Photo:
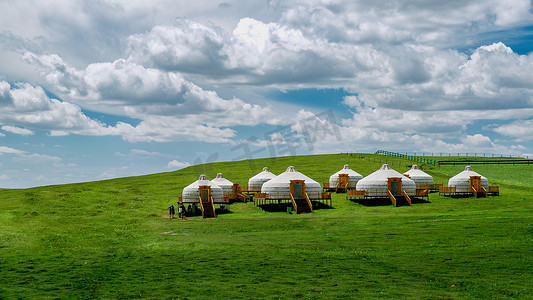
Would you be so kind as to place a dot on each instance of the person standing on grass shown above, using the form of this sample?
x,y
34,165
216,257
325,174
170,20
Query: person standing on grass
x,y
180,212
171,211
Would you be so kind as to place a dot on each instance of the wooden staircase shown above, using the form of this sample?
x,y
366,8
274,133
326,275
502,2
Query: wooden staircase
x,y
396,199
206,202
237,194
208,208
303,205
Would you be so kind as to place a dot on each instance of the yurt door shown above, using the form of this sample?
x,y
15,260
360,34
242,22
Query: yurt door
x,y
475,182
394,185
343,180
205,193
297,189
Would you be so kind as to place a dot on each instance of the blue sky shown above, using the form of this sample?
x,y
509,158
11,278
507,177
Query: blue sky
x,y
93,90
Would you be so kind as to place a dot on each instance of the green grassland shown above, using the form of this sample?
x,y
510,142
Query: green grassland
x,y
111,240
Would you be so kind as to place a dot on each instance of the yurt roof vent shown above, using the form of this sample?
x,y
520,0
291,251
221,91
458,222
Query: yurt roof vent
x,y
291,169
385,167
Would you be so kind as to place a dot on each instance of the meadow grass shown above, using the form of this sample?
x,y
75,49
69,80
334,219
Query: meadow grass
x,y
111,239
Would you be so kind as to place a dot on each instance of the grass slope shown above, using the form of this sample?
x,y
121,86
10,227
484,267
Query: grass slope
x,y
108,239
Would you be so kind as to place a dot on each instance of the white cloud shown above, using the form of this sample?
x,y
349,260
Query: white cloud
x,y
397,56
174,164
36,158
520,129
30,107
8,150
17,130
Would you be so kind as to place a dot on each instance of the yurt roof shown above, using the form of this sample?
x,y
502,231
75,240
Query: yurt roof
x,y
265,174
467,173
290,174
377,181
416,172
190,192
221,181
384,173
279,186
346,170
202,181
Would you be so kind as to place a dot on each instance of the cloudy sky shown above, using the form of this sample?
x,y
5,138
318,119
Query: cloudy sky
x,y
109,88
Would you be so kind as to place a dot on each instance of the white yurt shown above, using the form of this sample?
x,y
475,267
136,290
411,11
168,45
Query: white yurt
x,y
256,182
226,185
376,183
279,186
461,181
191,194
421,178
353,177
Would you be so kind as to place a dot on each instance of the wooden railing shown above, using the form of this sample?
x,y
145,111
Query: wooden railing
x,y
447,190
484,191
494,190
406,197
260,196
422,193
309,202
473,190
213,206
294,204
392,198
356,193
429,187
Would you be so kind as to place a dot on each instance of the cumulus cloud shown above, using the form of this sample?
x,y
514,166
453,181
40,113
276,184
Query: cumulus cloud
x,y
27,106
184,46
141,90
398,57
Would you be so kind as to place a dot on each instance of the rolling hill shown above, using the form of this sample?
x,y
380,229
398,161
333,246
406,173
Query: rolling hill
x,y
111,239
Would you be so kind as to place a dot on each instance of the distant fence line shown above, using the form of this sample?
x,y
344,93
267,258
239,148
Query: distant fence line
x,y
506,159
465,154
410,157
488,162
454,154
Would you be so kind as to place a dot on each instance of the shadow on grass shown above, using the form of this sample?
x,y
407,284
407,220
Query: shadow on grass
x,y
385,201
283,206
221,211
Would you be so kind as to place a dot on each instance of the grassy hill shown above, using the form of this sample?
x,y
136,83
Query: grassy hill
x,y
109,239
